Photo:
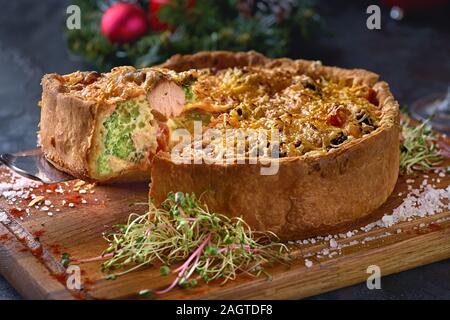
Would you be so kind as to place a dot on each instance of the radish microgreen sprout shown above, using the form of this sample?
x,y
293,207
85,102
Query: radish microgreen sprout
x,y
191,243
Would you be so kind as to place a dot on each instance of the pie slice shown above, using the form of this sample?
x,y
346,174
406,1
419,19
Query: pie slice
x,y
107,127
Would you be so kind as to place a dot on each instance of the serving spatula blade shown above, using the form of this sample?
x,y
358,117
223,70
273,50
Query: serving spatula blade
x,y
33,165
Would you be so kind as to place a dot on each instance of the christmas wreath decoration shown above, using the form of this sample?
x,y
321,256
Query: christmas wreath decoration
x,y
146,32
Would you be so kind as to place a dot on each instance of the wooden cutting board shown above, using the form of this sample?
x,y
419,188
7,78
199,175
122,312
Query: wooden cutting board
x,y
31,247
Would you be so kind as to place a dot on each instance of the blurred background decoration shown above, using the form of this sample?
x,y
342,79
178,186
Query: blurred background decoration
x,y
146,32
400,8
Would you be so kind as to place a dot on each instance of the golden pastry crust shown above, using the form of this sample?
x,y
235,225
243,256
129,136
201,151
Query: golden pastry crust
x,y
63,119
214,60
310,195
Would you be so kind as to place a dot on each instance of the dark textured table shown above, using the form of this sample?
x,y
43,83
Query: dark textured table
x,y
413,56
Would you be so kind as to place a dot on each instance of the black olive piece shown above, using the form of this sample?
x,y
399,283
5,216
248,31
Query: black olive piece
x,y
311,86
367,120
339,139
239,112
298,143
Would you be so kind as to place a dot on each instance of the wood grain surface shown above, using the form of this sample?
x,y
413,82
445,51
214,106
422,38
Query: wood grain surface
x,y
31,248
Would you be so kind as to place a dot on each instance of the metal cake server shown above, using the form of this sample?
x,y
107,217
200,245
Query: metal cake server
x,y
33,165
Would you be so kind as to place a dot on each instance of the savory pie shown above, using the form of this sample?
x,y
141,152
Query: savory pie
x,y
337,146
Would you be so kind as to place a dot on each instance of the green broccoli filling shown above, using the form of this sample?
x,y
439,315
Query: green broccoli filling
x,y
103,166
117,138
188,93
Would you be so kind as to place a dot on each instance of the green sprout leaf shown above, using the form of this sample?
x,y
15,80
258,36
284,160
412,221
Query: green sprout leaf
x,y
111,277
193,283
146,293
418,150
65,259
164,270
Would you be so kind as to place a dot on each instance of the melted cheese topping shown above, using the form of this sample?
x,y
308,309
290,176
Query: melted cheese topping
x,y
120,84
311,115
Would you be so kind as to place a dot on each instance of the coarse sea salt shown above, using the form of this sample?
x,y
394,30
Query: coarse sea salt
x,y
3,217
421,202
426,203
417,204
18,188
308,263
18,183
333,243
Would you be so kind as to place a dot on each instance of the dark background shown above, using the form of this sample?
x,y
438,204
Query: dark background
x,y
412,55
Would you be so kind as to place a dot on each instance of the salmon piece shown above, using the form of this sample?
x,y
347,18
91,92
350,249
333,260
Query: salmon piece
x,y
167,100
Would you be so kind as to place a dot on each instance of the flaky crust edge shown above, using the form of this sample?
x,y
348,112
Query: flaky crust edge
x,y
63,118
309,196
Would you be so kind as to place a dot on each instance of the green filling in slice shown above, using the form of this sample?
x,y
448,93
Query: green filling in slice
x,y
117,136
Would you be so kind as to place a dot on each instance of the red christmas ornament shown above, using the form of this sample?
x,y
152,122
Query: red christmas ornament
x,y
123,23
153,9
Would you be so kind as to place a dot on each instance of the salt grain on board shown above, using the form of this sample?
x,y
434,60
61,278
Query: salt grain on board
x,y
333,243
3,217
